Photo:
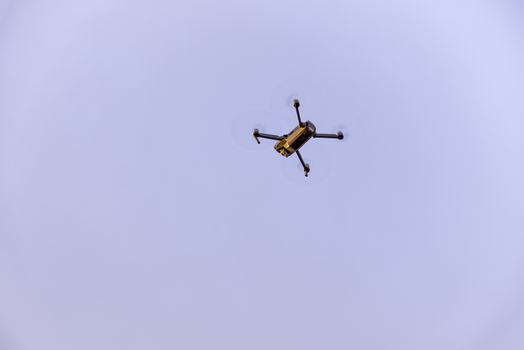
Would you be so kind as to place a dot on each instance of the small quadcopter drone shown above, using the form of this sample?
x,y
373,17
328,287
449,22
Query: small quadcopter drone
x,y
290,143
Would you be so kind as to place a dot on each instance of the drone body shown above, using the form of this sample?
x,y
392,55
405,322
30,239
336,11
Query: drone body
x,y
290,143
295,139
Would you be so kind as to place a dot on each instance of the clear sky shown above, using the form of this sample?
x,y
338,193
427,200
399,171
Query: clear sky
x,y
137,212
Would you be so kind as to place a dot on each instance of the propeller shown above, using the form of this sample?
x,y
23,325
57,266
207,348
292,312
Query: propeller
x,y
342,128
242,127
291,98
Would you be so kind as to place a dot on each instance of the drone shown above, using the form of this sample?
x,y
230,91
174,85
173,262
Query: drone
x,y
290,143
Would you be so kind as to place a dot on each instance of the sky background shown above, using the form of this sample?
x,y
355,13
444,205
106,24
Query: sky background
x,y
137,211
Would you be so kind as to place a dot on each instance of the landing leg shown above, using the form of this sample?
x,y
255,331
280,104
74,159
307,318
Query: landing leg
x,y
306,166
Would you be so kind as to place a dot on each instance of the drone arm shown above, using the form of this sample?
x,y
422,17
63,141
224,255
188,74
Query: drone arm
x,y
257,134
296,104
306,166
339,135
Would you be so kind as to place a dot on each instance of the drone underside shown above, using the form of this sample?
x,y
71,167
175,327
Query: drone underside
x,y
290,143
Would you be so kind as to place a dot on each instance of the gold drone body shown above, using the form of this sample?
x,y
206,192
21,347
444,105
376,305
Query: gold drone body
x,y
295,139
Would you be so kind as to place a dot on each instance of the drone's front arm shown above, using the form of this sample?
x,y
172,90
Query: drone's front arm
x,y
257,134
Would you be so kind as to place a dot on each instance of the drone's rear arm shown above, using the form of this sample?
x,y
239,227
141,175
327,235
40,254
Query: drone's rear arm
x,y
339,135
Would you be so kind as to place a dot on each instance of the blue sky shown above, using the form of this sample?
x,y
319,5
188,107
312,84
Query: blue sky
x,y
136,210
